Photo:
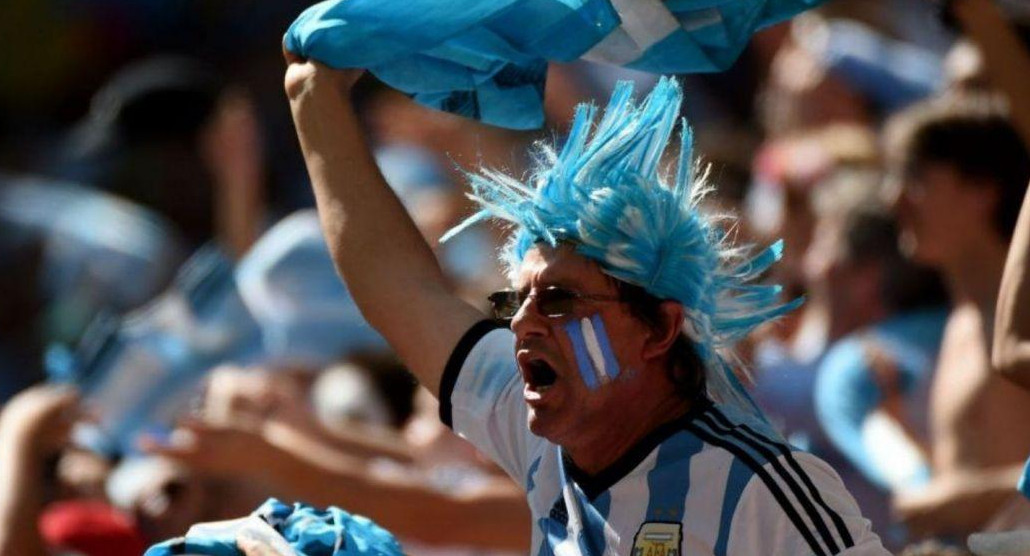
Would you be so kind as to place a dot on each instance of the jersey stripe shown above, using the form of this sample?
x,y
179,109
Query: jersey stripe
x,y
708,476
740,475
530,481
774,489
592,539
769,456
671,470
788,456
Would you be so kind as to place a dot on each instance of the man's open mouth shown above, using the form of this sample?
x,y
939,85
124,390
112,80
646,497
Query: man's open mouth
x,y
540,375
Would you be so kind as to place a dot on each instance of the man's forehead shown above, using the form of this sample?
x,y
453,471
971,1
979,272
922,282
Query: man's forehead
x,y
560,265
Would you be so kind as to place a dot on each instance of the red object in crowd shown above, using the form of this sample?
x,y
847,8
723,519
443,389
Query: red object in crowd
x,y
91,528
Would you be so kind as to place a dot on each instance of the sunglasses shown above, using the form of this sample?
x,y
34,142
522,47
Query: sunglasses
x,y
551,302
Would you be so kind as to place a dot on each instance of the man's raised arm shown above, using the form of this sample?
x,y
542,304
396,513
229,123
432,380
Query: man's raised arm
x,y
390,270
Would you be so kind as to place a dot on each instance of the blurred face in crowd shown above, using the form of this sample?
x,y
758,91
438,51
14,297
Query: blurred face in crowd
x,y
826,268
562,407
851,289
939,212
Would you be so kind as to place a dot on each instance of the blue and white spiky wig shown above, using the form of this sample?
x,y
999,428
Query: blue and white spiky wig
x,y
605,194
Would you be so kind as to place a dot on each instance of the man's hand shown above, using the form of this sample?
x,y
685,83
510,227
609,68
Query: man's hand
x,y
303,77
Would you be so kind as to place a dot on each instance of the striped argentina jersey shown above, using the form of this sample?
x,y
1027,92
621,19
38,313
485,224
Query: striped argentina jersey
x,y
710,482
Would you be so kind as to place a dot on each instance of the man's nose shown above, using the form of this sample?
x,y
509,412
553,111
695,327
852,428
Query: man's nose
x,y
528,321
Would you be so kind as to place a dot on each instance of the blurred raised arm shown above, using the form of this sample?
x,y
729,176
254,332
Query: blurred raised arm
x,y
1011,350
492,513
1005,57
389,268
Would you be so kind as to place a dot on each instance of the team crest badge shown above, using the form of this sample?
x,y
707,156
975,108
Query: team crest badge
x,y
657,538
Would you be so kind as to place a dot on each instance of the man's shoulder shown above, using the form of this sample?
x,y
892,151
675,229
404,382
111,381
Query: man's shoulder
x,y
767,477
751,441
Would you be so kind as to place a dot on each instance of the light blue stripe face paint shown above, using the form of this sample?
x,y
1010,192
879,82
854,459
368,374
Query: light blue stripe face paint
x,y
611,366
574,330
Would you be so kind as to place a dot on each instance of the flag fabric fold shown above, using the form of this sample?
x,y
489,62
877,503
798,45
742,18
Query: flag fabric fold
x,y
487,59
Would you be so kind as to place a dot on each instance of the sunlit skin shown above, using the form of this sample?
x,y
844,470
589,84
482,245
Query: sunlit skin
x,y
949,223
594,427
940,214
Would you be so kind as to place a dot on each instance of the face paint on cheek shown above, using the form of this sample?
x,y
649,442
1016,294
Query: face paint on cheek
x,y
598,342
594,356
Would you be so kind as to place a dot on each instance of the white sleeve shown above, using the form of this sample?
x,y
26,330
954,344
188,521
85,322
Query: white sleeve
x,y
481,397
826,519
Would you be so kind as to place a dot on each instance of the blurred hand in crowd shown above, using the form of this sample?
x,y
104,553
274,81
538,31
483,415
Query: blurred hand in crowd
x,y
34,427
277,405
35,424
946,502
217,450
888,379
253,395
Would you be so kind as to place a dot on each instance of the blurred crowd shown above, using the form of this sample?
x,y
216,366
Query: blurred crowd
x,y
176,347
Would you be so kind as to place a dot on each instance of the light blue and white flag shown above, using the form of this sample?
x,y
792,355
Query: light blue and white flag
x,y
487,59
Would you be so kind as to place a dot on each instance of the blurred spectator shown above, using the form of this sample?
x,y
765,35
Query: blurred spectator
x,y
305,312
65,252
140,370
885,318
890,73
852,282
34,429
787,172
166,133
410,490
801,92
819,191
87,243
962,171
884,360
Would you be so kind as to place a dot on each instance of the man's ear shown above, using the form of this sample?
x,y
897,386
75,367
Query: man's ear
x,y
667,330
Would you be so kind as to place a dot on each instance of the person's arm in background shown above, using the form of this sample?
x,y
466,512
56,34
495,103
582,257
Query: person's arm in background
x,y
1011,351
1005,56
256,398
232,149
957,502
492,515
34,427
389,268
859,384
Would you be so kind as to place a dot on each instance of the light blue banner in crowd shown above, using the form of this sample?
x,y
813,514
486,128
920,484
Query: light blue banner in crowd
x,y
142,370
487,59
